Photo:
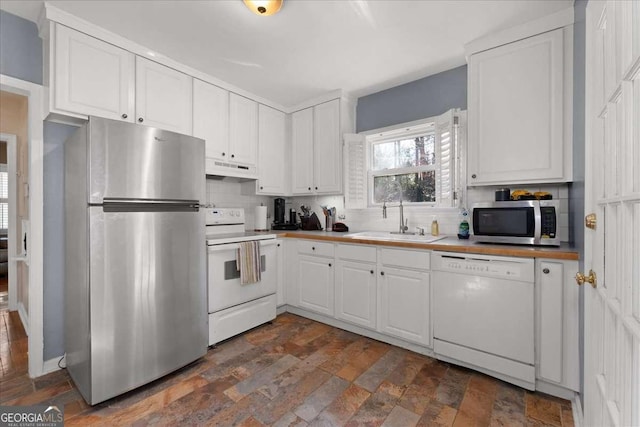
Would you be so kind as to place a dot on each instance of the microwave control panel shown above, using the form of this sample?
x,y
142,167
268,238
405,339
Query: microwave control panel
x,y
547,222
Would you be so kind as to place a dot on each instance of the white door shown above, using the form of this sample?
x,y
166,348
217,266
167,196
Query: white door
x,y
404,308
163,97
211,118
327,148
612,193
271,149
315,282
93,77
243,129
302,151
356,292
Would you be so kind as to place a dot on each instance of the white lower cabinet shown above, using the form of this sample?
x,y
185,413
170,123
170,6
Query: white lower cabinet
x,y
356,285
404,306
280,275
557,323
315,281
315,278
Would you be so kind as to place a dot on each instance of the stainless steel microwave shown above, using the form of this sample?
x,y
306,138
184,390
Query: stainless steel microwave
x,y
524,222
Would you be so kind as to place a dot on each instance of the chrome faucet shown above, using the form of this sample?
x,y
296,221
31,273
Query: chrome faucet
x,y
403,224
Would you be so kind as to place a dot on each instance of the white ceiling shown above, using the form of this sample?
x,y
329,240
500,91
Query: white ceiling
x,y
310,47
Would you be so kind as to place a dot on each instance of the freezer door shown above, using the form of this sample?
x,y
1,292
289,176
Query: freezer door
x,y
148,295
132,161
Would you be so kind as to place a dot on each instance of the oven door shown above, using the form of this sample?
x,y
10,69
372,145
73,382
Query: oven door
x,y
224,285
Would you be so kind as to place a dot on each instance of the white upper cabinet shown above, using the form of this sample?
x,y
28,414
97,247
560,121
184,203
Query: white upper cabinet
x,y
211,118
327,148
90,77
520,111
163,97
317,149
271,148
243,129
302,151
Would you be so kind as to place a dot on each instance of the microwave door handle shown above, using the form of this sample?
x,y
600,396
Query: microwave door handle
x,y
537,220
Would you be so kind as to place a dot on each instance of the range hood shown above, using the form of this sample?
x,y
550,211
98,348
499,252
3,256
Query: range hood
x,y
219,170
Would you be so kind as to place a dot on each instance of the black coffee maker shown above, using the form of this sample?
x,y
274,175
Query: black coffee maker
x,y
278,215
278,211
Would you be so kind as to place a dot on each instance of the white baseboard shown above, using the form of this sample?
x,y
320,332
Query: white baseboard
x,y
555,390
576,407
23,317
51,365
542,386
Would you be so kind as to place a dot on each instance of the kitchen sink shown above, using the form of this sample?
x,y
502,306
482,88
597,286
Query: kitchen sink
x,y
395,237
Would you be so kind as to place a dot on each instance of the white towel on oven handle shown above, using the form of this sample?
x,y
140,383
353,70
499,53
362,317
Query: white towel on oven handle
x,y
248,262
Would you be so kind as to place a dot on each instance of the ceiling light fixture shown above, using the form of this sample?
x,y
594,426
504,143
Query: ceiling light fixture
x,y
264,7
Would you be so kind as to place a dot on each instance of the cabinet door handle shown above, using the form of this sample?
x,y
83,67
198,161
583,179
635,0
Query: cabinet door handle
x,y
545,270
316,188
329,264
278,244
124,116
473,176
233,156
313,248
371,271
309,188
224,154
382,273
261,187
140,119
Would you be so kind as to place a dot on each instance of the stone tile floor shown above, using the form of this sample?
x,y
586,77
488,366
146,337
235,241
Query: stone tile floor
x,y
292,372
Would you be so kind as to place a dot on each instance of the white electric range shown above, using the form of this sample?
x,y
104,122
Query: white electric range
x,y
233,307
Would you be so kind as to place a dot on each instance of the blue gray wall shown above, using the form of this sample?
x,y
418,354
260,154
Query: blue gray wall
x,y
21,57
55,135
427,97
576,189
20,48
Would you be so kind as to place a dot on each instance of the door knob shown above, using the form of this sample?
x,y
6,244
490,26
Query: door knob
x,y
591,278
590,221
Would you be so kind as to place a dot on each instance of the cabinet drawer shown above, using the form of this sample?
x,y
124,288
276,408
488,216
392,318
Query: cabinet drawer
x,y
316,248
419,260
356,253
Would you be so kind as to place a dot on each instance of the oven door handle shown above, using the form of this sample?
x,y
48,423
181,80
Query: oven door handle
x,y
233,246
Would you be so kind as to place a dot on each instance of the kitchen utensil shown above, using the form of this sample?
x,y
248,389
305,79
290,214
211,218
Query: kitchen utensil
x,y
340,227
503,195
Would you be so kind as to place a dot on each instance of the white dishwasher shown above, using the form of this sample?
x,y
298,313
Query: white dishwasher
x,y
483,314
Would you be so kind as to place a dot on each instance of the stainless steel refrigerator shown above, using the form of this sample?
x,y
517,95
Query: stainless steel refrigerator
x,y
135,292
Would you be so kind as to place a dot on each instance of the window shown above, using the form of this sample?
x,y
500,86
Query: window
x,y
418,161
403,167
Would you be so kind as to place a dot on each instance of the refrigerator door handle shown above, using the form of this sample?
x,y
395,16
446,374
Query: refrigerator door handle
x,y
137,205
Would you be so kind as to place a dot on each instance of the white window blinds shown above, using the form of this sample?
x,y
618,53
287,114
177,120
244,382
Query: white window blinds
x,y
4,199
446,153
355,171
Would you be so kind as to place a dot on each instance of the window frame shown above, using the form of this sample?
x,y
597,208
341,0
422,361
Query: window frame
x,y
425,128
393,133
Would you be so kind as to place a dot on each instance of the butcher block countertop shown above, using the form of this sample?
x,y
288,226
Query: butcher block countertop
x,y
449,244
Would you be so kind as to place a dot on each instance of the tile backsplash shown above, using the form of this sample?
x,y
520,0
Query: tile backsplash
x,y
232,194
448,219
229,194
